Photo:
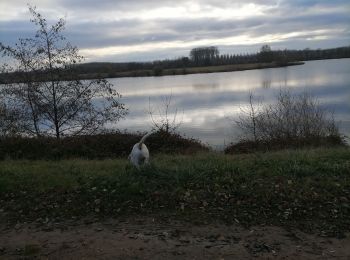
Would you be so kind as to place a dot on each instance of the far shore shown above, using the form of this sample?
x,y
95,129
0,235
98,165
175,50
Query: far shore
x,y
156,72
190,70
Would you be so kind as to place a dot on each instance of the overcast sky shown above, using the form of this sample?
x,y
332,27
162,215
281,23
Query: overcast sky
x,y
136,30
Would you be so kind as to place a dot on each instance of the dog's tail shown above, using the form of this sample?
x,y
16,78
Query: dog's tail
x,y
143,139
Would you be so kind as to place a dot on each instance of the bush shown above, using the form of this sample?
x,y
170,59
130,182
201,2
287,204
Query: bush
x,y
100,146
157,71
293,121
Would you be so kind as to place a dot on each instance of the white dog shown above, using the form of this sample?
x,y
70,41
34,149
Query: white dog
x,y
139,154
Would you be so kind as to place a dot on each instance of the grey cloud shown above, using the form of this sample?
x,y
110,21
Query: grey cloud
x,y
137,5
280,17
312,3
11,31
121,5
186,29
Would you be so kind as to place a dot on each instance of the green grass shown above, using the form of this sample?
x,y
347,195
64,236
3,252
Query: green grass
x,y
308,189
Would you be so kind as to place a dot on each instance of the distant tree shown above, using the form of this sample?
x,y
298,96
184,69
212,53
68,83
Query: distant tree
x,y
281,57
265,48
54,106
265,54
204,56
185,61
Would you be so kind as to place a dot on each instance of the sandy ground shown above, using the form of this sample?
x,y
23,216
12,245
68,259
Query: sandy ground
x,y
149,239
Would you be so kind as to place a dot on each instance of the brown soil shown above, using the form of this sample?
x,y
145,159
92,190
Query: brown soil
x,y
147,238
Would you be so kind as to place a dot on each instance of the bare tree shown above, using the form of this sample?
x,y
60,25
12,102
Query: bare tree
x,y
59,103
247,121
10,123
23,92
165,119
292,117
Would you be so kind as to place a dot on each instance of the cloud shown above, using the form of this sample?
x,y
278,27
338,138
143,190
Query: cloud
x,y
154,29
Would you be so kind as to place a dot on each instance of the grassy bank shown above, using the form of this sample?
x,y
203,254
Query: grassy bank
x,y
307,189
190,70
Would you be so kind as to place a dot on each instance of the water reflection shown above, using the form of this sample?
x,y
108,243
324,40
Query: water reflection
x,y
212,101
266,84
202,86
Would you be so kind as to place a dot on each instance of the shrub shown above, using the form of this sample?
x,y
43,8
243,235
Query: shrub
x,y
100,146
293,121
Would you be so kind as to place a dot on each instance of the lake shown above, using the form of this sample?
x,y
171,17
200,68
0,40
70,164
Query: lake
x,y
208,104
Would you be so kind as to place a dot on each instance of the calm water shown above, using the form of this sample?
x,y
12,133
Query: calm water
x,y
207,104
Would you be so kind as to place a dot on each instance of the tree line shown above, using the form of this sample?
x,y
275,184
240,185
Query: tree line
x,y
210,56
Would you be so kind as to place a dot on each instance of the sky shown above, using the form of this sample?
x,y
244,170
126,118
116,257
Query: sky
x,y
136,30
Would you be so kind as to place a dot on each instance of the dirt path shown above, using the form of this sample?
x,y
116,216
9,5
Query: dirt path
x,y
150,239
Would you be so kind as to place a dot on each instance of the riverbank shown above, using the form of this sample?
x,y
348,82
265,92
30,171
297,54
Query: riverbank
x,y
291,203
304,189
190,70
